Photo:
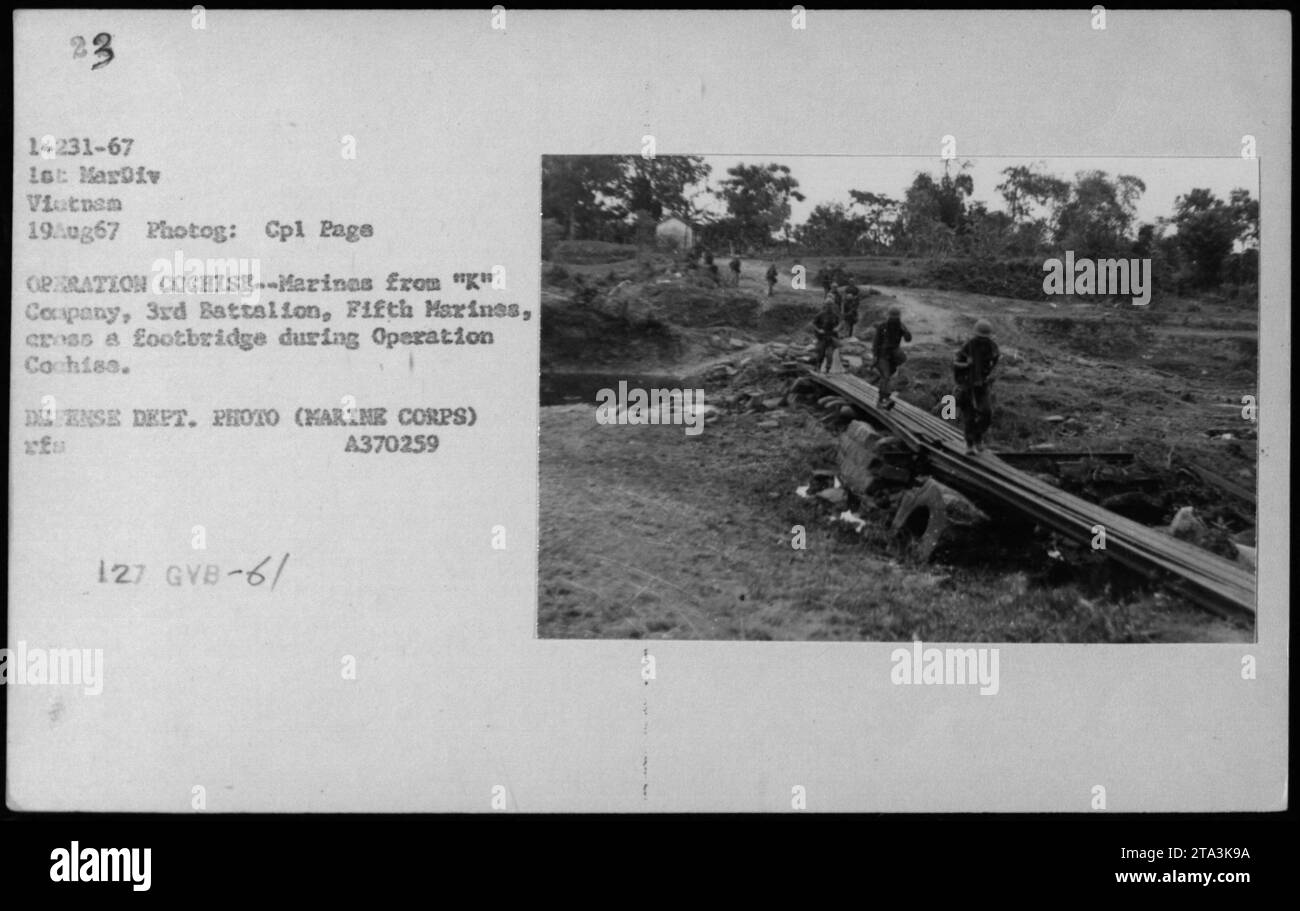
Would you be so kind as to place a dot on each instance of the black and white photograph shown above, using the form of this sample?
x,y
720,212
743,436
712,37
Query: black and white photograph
x,y
878,398
508,412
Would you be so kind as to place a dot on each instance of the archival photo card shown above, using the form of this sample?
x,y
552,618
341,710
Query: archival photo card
x,y
635,411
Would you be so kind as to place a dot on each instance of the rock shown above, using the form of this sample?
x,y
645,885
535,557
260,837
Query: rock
x,y
833,495
848,412
1055,419
871,462
1245,555
769,425
738,345
1246,537
939,518
1187,526
856,445
773,403
851,362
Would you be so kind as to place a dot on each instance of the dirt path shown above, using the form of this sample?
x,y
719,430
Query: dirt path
x,y
928,322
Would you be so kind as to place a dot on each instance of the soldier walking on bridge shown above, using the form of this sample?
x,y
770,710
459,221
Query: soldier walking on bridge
x,y
973,368
889,353
771,278
824,325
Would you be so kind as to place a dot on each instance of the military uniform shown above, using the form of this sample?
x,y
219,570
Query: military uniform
x,y
824,279
850,297
889,355
972,369
824,325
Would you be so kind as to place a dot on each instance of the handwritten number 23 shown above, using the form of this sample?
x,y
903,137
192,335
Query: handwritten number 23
x,y
103,49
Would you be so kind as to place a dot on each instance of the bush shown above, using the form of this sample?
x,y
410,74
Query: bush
x,y
1019,278
591,252
1097,338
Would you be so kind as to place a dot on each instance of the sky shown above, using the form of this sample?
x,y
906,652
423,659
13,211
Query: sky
x,y
828,179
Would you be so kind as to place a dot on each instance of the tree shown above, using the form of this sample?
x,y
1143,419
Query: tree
x,y
881,217
577,190
1096,220
758,203
1025,187
989,235
1028,191
832,228
933,211
1245,212
1207,228
661,185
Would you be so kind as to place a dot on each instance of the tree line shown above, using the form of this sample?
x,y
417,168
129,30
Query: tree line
x,y
1204,243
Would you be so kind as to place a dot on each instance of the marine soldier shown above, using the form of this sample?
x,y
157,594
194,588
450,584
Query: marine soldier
x,y
850,298
824,325
973,368
888,352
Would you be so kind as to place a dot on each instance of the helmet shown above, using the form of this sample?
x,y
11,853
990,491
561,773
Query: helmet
x,y
982,327
895,311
